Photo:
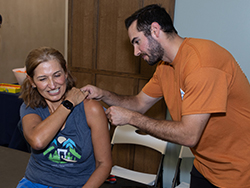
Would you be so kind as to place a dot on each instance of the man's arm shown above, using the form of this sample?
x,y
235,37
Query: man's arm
x,y
129,110
139,103
185,132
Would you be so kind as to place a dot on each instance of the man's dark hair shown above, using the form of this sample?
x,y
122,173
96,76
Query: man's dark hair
x,y
149,14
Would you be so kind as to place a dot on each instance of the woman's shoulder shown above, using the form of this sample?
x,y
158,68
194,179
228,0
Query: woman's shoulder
x,y
93,106
25,110
94,112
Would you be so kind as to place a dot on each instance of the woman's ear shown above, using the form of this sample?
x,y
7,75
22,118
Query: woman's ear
x,y
155,29
31,82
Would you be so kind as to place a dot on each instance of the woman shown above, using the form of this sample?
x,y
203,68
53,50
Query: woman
x,y
69,135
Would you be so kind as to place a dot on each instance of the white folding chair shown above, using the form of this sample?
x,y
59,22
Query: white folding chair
x,y
185,152
128,134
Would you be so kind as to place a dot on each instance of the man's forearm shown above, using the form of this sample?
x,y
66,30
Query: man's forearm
x,y
125,101
171,131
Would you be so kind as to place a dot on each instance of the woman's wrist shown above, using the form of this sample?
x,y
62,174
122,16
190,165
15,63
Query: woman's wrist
x,y
67,104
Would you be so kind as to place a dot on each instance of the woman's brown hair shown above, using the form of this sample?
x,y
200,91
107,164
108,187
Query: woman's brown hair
x,y
29,94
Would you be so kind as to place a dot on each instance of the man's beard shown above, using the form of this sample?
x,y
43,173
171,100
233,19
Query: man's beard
x,y
155,50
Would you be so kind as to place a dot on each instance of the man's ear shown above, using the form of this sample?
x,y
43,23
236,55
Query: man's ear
x,y
31,81
155,29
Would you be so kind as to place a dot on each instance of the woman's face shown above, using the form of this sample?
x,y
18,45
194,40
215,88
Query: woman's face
x,y
50,80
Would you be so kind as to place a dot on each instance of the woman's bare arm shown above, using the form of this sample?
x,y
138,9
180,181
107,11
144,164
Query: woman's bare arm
x,y
98,124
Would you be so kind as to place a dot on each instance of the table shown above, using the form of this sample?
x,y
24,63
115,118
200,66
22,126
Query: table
x,y
12,166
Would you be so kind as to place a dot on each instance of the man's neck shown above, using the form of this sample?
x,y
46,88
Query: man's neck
x,y
171,47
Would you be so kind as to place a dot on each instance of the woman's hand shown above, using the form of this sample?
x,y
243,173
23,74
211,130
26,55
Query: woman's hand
x,y
76,96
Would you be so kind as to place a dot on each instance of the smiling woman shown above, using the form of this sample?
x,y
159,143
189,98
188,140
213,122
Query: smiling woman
x,y
40,65
68,134
50,81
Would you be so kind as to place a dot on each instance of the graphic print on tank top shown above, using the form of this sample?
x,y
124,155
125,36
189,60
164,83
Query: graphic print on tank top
x,y
62,150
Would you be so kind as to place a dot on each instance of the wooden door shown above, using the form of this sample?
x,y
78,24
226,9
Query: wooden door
x,y
100,52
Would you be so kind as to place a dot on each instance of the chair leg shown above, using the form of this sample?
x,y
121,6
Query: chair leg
x,y
160,179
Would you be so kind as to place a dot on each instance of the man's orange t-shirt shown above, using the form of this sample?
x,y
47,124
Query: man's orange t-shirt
x,y
205,78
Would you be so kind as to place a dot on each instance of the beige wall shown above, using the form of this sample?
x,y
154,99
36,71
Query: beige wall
x,y
29,24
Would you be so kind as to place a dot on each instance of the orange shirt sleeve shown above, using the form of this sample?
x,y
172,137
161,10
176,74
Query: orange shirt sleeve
x,y
153,87
205,92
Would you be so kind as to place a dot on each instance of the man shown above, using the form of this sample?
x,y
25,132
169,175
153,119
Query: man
x,y
207,94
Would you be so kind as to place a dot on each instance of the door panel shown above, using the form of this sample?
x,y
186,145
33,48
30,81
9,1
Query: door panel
x,y
99,53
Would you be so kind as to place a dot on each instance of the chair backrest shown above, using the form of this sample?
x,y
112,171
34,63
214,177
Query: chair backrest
x,y
185,152
128,134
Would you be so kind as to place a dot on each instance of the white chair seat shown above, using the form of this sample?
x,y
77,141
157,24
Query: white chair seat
x,y
183,185
140,177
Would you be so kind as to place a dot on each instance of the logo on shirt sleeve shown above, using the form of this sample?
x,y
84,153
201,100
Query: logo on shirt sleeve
x,y
182,93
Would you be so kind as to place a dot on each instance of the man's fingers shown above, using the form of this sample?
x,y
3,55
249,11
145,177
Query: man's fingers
x,y
86,93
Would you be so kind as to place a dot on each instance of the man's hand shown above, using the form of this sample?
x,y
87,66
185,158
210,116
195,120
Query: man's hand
x,y
93,92
118,115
